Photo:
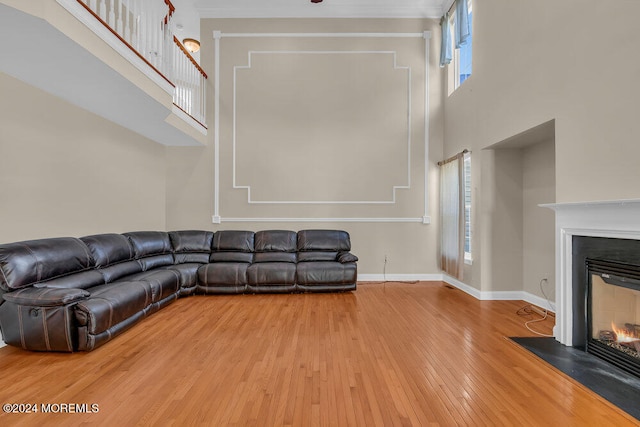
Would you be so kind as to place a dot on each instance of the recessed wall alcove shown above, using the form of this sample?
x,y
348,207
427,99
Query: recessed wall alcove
x,y
518,174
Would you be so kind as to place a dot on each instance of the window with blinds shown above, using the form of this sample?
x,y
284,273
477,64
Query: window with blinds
x,y
467,208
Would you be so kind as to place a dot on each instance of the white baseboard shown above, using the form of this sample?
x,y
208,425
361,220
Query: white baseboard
x,y
2,343
399,277
500,295
540,302
481,295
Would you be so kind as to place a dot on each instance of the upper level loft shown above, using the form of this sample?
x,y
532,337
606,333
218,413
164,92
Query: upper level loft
x,y
116,58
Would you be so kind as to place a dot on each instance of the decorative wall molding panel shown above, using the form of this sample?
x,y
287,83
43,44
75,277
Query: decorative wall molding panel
x,y
250,96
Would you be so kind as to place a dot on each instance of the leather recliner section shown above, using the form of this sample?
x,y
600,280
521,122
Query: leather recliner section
x,y
68,294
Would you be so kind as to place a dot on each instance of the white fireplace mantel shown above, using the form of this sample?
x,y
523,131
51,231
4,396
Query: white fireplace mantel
x,y
612,218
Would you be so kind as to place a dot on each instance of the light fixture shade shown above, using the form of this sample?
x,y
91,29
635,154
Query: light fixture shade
x,y
192,45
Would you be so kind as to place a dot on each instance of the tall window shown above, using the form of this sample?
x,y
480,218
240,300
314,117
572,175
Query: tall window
x,y
457,43
467,207
463,55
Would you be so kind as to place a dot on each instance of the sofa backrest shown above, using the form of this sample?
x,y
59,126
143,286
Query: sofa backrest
x,y
31,262
232,246
275,246
113,254
152,249
322,245
191,246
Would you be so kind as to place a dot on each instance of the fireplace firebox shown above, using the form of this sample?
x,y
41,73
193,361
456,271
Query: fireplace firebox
x,y
613,312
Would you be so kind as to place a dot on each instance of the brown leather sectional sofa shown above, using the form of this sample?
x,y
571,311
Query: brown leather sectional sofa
x,y
69,294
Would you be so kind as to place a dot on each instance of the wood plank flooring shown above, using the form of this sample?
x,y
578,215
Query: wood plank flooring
x,y
420,354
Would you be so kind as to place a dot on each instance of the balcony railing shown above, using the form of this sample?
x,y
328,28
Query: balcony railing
x,y
189,80
145,27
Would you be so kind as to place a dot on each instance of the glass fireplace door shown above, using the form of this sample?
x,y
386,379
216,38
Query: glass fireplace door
x,y
613,314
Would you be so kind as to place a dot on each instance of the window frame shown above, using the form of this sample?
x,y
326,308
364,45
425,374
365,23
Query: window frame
x,y
468,201
453,68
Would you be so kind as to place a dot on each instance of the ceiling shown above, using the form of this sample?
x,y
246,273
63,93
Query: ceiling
x,y
325,9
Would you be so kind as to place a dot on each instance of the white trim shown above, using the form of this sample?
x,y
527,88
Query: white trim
x,y
308,10
189,120
399,277
462,286
323,202
307,219
427,119
596,203
81,14
325,35
217,35
216,128
499,295
2,343
538,301
477,294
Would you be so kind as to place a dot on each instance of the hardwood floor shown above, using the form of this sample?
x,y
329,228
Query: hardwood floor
x,y
388,354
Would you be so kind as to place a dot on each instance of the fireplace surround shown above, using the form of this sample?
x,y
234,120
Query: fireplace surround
x,y
615,221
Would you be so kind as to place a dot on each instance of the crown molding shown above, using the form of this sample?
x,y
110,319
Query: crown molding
x,y
310,10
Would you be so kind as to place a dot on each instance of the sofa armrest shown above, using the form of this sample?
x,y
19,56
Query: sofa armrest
x,y
346,257
46,297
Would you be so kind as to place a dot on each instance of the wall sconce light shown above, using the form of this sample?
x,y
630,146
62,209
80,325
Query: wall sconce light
x,y
192,45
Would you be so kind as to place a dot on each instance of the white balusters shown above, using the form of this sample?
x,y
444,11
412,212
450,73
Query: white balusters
x,y
112,14
190,83
146,26
103,10
127,25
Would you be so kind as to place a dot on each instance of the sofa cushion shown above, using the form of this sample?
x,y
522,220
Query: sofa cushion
x,y
271,273
162,282
233,246
323,240
275,241
114,255
325,272
245,257
191,246
317,256
188,273
109,249
152,248
82,280
111,304
223,274
275,246
191,240
25,263
322,245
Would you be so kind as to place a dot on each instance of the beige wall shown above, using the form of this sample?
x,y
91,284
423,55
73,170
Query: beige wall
x,y
66,172
535,61
538,187
328,128
543,60
519,234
